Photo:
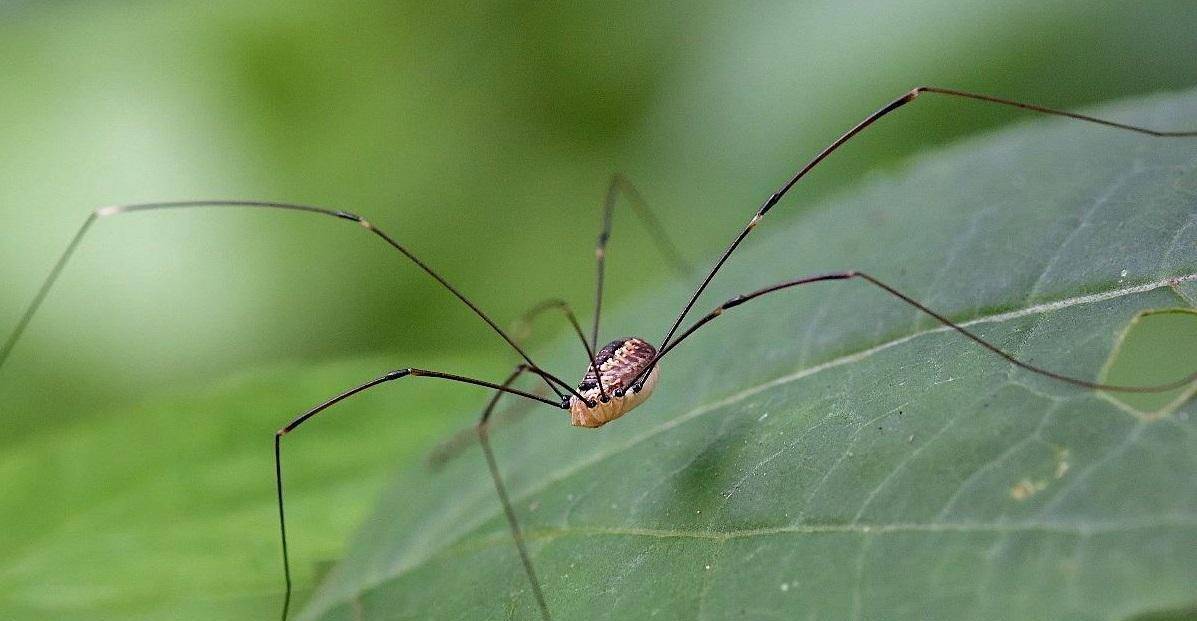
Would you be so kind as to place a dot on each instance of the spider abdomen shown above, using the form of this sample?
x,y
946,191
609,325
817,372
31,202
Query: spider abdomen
x,y
619,363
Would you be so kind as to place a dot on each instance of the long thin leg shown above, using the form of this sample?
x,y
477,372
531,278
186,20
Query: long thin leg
x,y
102,212
740,299
621,185
523,325
457,444
302,418
856,129
519,329
483,429
44,289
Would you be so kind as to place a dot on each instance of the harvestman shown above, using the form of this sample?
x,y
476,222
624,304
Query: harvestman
x,y
623,373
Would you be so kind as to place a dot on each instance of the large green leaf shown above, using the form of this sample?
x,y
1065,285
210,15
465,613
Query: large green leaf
x,y
830,453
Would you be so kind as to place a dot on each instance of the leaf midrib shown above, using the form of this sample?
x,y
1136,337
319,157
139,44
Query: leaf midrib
x,y
1071,527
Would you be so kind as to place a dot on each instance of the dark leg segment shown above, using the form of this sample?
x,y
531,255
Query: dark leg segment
x,y
524,325
621,185
519,329
393,375
856,129
44,289
517,534
740,299
23,323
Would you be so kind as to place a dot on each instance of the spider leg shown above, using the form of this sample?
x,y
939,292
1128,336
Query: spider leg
x,y
457,444
483,429
740,299
10,343
391,376
856,129
524,325
519,329
621,185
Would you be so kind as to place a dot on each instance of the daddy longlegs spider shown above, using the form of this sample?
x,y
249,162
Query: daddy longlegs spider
x,y
623,373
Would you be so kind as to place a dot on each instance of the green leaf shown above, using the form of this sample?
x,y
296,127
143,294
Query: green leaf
x,y
828,452
166,510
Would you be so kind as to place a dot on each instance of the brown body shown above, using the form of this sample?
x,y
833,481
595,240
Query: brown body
x,y
618,363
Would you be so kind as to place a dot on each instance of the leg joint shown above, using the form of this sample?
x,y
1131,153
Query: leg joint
x,y
733,302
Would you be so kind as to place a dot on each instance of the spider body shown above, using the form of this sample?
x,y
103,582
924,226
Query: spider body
x,y
614,390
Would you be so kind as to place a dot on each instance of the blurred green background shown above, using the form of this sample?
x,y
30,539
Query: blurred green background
x,y
482,136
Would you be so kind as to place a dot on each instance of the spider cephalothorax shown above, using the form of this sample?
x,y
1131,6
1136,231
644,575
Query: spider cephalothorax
x,y
619,363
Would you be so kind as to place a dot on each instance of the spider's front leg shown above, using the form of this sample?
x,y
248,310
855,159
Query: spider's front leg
x,y
505,387
852,274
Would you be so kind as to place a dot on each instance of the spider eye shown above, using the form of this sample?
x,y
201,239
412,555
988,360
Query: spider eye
x,y
605,399
618,392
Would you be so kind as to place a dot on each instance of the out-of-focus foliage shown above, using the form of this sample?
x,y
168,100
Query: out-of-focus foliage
x,y
483,138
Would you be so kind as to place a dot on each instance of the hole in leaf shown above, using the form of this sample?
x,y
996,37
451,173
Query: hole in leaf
x,y
1158,346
